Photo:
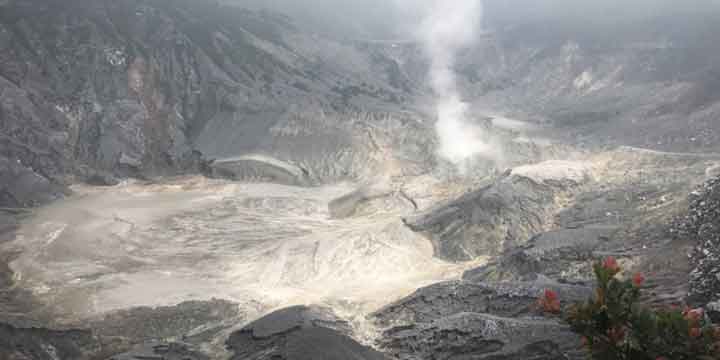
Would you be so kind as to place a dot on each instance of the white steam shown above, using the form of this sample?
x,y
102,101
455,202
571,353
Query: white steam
x,y
446,28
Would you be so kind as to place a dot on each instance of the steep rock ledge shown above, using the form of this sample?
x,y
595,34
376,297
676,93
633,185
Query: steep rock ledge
x,y
502,215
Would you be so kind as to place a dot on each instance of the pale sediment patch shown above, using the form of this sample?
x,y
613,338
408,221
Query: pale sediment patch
x,y
193,239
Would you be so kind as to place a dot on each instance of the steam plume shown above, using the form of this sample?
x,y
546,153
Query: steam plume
x,y
447,27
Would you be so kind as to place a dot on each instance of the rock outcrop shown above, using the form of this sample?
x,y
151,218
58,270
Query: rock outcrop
x,y
505,299
477,336
502,215
558,254
192,322
169,351
702,226
43,344
477,320
298,333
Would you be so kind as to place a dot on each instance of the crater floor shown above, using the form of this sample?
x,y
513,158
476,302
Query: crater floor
x,y
261,245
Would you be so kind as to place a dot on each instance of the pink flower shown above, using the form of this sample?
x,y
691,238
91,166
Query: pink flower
x,y
611,264
638,279
550,294
550,302
693,316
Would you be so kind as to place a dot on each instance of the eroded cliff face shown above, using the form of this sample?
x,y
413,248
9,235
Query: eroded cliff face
x,y
96,89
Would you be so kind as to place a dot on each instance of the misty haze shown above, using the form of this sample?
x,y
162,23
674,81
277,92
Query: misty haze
x,y
359,179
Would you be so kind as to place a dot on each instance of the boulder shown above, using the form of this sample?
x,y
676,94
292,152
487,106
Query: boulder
x,y
298,333
260,168
161,351
101,178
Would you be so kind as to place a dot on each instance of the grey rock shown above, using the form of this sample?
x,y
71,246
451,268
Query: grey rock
x,y
20,186
485,221
122,139
301,333
481,336
192,322
159,351
507,299
495,218
561,254
467,319
713,311
260,169
101,179
44,344
702,225
8,225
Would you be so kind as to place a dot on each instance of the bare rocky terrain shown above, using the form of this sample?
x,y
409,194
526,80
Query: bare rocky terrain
x,y
190,180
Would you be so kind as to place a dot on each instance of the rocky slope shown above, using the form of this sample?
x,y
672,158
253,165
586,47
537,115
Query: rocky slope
x,y
96,89
701,225
649,83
